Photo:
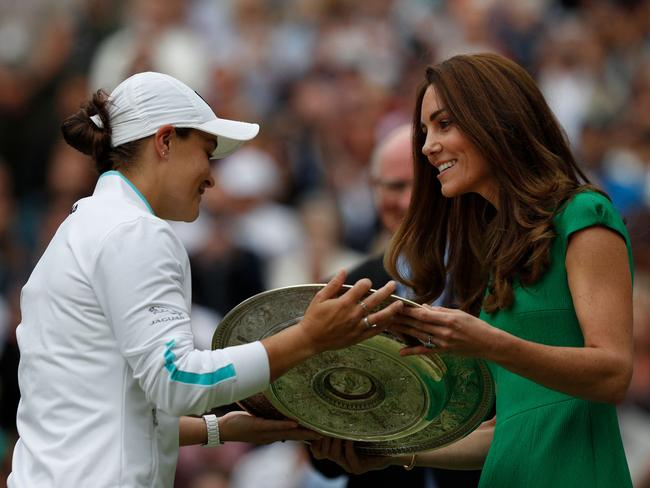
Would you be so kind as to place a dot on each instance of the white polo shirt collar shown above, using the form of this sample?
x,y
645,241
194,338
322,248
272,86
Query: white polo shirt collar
x,y
115,182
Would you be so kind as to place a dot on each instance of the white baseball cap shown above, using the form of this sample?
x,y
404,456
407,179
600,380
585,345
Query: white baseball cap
x,y
144,102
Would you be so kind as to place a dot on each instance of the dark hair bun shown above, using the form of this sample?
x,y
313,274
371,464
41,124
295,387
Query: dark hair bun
x,y
84,135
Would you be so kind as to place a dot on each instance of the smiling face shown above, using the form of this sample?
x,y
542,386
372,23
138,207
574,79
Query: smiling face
x,y
187,175
461,167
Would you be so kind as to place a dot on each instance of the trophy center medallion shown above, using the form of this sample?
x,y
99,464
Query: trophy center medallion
x,y
349,388
350,384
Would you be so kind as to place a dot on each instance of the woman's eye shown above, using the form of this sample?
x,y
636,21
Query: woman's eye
x,y
444,123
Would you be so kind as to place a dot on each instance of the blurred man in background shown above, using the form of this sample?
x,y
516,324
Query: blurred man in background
x,y
391,177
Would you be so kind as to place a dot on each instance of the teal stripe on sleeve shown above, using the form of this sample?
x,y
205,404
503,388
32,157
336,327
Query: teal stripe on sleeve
x,y
201,379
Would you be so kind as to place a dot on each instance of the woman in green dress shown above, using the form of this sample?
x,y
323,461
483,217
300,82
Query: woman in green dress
x,y
541,265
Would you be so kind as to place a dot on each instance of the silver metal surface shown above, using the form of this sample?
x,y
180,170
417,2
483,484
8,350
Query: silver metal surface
x,y
367,392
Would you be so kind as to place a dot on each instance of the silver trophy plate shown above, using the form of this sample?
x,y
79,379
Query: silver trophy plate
x,y
368,393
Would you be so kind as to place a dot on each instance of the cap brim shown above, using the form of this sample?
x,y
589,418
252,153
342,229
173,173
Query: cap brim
x,y
230,134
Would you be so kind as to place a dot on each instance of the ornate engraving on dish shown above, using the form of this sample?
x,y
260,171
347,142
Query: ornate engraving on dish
x,y
472,394
368,393
364,392
263,315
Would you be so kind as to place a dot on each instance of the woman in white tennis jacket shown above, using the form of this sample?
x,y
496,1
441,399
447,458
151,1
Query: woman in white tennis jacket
x,y
108,367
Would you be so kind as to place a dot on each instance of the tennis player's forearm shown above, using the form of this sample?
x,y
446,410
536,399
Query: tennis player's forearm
x,y
192,430
285,350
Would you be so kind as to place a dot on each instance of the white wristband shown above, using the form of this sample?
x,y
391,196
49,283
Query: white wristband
x,y
212,423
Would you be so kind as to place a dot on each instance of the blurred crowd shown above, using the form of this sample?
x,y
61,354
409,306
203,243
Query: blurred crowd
x,y
326,80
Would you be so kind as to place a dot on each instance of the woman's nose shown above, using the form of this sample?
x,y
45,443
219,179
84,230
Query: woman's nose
x,y
431,147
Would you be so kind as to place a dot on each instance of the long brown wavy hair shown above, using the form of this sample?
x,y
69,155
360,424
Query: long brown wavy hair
x,y
498,106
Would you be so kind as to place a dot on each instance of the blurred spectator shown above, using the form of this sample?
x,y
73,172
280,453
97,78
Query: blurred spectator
x,y
639,226
45,46
623,177
391,173
69,176
13,256
634,414
155,38
199,465
279,465
321,253
566,77
247,184
209,478
223,272
13,266
391,176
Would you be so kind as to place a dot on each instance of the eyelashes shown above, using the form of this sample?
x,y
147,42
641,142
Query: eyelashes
x,y
444,124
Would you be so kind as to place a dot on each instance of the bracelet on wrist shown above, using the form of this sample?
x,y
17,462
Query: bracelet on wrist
x,y
212,424
411,465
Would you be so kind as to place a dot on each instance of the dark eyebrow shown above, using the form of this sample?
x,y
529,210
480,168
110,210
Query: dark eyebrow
x,y
435,114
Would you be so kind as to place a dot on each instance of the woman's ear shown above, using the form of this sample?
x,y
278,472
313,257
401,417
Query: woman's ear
x,y
162,137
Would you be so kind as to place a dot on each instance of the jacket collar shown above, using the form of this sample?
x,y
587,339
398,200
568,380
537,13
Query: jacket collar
x,y
115,182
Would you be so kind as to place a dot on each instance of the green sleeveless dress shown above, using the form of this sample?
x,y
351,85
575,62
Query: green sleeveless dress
x,y
544,438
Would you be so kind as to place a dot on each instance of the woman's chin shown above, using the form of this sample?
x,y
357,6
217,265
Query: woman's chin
x,y
448,191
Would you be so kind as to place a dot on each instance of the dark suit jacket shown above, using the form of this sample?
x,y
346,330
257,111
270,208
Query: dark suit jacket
x,y
372,268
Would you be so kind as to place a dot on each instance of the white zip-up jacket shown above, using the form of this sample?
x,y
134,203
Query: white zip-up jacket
x,y
107,355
